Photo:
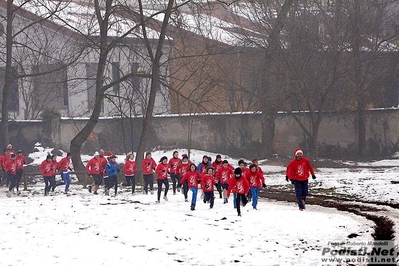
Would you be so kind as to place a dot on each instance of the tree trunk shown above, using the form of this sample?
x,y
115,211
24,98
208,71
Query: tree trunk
x,y
361,131
270,103
8,82
155,83
81,137
268,131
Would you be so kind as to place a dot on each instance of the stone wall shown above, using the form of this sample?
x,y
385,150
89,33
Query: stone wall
x,y
234,134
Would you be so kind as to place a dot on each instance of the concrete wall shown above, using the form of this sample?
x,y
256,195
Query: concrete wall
x,y
236,134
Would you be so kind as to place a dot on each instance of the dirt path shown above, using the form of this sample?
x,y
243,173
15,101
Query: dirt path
x,y
378,212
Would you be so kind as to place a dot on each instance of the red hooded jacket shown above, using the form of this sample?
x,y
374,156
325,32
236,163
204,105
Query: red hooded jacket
x,y
182,168
46,168
93,167
11,166
130,167
223,175
255,180
162,171
207,182
299,169
192,178
148,166
241,185
173,162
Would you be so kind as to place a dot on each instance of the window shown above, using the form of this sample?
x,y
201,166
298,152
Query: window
x,y
116,76
91,75
135,79
50,87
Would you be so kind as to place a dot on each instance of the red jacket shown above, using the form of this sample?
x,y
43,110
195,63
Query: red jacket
x,y
162,171
207,182
130,167
223,175
255,180
7,156
93,167
21,160
299,169
241,185
173,162
260,170
192,178
217,166
63,165
103,163
182,168
11,167
2,161
148,166
46,168
54,167
245,172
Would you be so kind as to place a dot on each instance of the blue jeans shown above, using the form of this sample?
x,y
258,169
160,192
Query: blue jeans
x,y
255,193
234,200
301,191
67,180
195,192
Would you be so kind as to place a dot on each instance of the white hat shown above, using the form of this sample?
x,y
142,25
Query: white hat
x,y
96,154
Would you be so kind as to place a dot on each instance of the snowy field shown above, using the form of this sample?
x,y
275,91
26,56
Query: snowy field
x,y
85,229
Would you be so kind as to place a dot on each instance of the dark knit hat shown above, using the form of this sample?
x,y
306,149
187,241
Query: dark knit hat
x,y
48,157
238,171
184,156
218,156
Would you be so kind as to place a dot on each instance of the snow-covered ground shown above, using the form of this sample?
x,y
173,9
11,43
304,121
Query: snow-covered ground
x,y
85,229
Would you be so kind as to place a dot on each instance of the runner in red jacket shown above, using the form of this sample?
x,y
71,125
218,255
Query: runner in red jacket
x,y
173,162
130,168
298,172
223,176
21,160
46,168
148,166
193,178
11,168
103,160
182,168
241,185
256,181
217,164
3,177
64,168
162,177
94,169
207,183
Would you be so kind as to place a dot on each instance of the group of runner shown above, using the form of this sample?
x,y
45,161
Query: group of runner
x,y
244,182
12,164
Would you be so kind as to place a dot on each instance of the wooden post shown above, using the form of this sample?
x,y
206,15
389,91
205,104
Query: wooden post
x,y
25,182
